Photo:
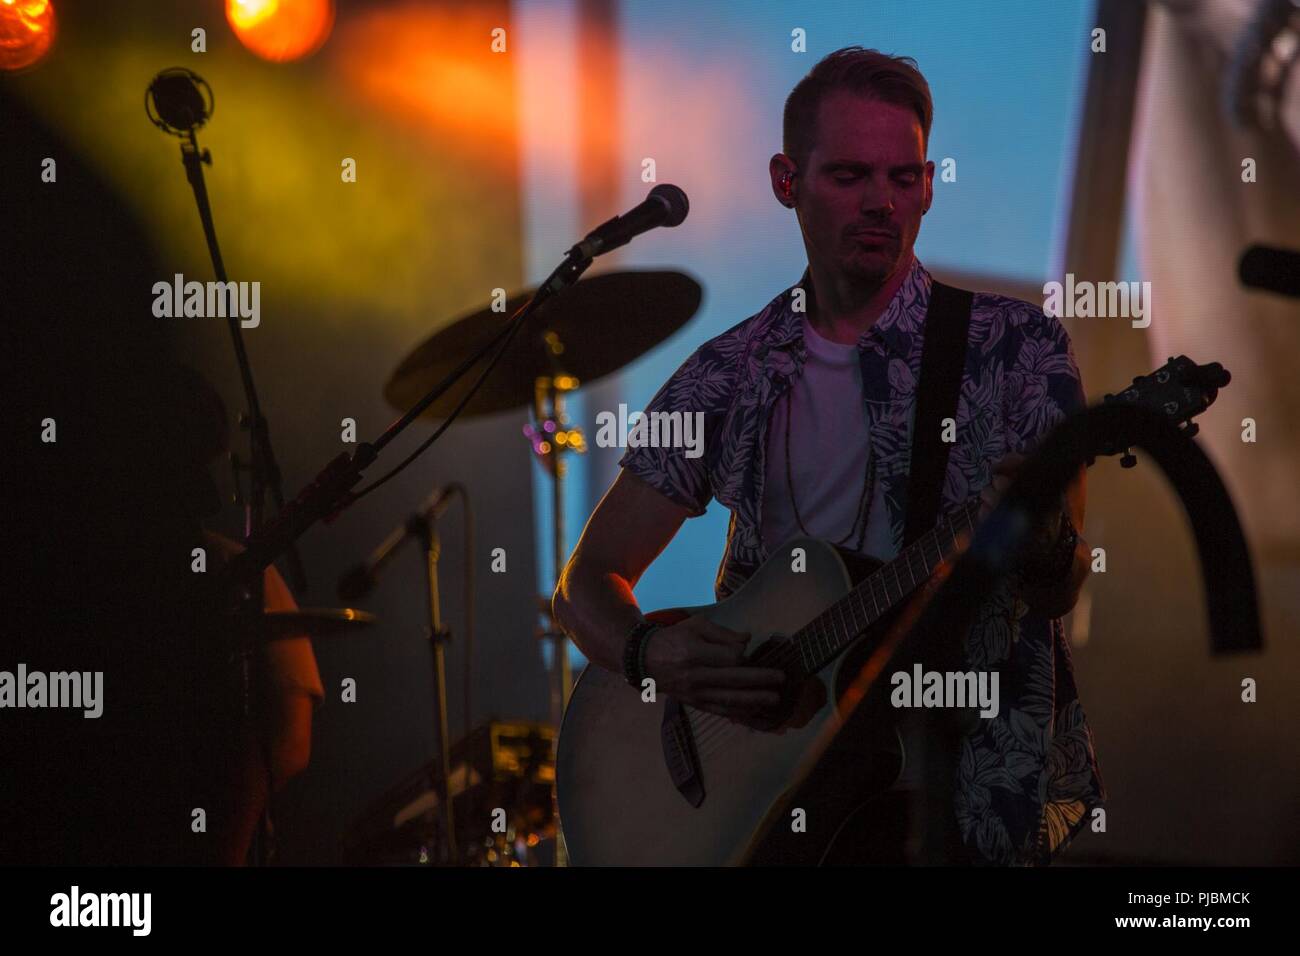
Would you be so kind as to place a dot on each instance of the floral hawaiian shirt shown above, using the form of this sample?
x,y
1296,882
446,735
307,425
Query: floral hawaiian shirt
x,y
1027,777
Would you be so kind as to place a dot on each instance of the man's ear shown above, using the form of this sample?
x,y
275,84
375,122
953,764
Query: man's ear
x,y
929,185
785,179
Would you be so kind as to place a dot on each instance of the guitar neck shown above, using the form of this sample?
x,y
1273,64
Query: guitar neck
x,y
1179,390
830,633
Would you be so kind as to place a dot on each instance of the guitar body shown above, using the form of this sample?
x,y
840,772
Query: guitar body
x,y
618,801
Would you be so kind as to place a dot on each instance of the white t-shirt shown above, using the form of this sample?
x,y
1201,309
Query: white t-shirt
x,y
829,451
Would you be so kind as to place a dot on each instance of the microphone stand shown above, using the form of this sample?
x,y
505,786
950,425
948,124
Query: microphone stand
x,y
264,470
264,475
421,526
330,492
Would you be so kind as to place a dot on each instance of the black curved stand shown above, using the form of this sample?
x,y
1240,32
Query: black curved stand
x,y
1225,564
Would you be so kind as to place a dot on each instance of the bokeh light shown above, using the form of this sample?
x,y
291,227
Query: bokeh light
x,y
430,68
281,30
26,32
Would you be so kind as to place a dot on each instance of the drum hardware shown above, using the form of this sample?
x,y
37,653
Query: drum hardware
x,y
431,382
421,526
576,343
312,622
552,438
501,781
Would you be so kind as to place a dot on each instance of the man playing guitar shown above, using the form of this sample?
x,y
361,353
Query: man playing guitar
x,y
809,407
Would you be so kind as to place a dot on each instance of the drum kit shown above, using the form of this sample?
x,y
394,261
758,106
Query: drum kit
x,y
488,799
500,777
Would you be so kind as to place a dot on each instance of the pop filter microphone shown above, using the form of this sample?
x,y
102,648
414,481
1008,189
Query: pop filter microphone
x,y
178,101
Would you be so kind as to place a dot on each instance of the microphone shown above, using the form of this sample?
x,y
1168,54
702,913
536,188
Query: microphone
x,y
360,579
665,206
176,101
1271,269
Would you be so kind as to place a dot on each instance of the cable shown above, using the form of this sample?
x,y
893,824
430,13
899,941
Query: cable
x,y
506,335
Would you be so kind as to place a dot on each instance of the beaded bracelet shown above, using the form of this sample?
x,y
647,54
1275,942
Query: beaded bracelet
x,y
634,649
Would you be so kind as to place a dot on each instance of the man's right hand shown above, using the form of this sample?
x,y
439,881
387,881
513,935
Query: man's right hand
x,y
701,664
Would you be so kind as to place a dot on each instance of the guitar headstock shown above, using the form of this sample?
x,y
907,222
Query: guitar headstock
x,y
1180,390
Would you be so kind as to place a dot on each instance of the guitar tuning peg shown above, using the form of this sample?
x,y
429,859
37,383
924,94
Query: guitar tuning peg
x,y
1128,460
1190,429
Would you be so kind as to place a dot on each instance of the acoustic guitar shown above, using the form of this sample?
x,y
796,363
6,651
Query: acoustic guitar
x,y
651,781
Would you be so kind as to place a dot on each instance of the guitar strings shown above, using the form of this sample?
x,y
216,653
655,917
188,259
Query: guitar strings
x,y
715,727
712,730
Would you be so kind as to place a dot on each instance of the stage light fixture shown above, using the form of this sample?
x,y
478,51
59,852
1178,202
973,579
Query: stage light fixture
x,y
27,29
281,30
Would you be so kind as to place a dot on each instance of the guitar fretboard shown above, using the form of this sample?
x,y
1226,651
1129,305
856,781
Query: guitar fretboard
x,y
832,631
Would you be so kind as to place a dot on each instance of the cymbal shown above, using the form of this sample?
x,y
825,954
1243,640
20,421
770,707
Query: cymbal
x,y
594,328
314,621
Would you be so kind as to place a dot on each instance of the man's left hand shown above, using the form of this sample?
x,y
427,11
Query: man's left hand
x,y
1048,528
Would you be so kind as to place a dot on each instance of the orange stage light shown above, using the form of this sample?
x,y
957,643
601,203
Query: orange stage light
x,y
26,32
281,30
430,66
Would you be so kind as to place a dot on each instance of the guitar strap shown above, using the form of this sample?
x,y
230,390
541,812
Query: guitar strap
x,y
943,359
